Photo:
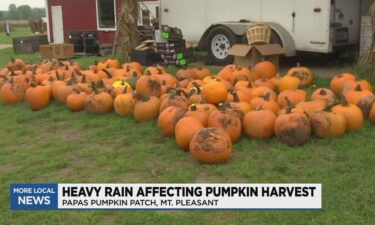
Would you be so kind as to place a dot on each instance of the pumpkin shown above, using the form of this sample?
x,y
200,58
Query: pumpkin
x,y
259,124
64,91
304,74
353,115
76,101
352,84
168,118
289,82
265,103
325,94
211,145
185,73
99,102
293,128
185,129
264,82
146,108
174,98
326,123
148,85
365,104
154,70
201,114
338,82
215,92
201,73
57,84
124,104
263,91
241,73
312,106
37,97
265,69
239,105
226,120
294,95
16,64
355,95
372,113
225,73
11,93
113,63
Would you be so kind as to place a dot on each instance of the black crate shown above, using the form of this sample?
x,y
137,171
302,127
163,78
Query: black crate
x,y
29,44
146,58
76,38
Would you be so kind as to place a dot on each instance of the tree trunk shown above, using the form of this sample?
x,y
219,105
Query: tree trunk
x,y
127,28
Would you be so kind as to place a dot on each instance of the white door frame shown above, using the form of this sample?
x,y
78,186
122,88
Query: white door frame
x,y
57,24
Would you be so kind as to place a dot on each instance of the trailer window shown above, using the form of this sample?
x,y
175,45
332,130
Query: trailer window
x,y
106,14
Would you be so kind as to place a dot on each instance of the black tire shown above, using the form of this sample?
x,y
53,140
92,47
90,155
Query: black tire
x,y
231,37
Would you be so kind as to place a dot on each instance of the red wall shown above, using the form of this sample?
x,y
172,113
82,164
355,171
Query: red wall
x,y
79,15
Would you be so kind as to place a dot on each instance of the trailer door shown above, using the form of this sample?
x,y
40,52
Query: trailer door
x,y
311,25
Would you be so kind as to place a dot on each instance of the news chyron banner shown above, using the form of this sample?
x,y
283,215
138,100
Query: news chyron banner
x,y
166,196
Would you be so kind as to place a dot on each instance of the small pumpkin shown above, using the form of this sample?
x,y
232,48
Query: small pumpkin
x,y
265,103
338,82
211,145
124,103
353,115
264,82
259,124
168,118
265,69
325,94
146,108
304,74
76,101
201,73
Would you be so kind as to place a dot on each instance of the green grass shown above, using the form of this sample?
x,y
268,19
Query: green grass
x,y
57,146
17,32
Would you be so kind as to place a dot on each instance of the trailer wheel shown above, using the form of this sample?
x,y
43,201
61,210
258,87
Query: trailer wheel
x,y
218,42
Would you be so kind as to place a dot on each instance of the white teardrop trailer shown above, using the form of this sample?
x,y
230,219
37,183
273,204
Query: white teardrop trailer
x,y
298,25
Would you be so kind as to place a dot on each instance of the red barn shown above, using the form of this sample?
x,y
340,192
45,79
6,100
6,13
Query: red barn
x,y
66,16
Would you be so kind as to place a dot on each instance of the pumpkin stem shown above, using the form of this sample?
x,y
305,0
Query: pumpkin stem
x,y
51,79
148,72
141,97
182,92
329,107
250,85
235,96
109,74
323,92
125,90
344,101
290,105
267,97
83,79
193,107
358,88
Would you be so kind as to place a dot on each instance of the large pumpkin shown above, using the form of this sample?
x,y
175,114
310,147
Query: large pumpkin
x,y
148,85
353,115
325,94
146,108
215,92
76,101
228,121
259,124
168,118
99,102
327,123
38,97
293,128
211,145
185,129
289,82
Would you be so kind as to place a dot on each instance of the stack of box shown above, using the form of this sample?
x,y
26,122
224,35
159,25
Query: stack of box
x,y
146,33
171,47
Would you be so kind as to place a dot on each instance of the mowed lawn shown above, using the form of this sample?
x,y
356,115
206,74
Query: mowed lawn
x,y
57,146
16,32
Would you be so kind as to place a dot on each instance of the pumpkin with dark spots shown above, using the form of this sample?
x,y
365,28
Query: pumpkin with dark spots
x,y
211,145
168,118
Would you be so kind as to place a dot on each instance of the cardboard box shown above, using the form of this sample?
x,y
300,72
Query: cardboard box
x,y
249,55
56,51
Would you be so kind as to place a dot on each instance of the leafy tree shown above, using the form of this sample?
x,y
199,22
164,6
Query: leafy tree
x,y
13,12
24,12
37,13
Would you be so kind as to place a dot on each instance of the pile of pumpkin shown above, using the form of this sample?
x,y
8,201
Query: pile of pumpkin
x,y
205,113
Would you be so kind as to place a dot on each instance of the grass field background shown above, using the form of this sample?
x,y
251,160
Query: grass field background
x,y
57,146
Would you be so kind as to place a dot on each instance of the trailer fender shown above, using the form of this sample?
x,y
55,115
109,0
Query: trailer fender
x,y
240,29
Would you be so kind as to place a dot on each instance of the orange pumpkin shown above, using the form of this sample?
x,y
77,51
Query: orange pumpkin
x,y
326,123
37,97
168,118
294,95
215,92
201,115
264,82
353,115
148,85
146,108
338,82
76,101
99,102
289,82
11,93
211,145
324,94
124,104
355,95
259,124
185,129
265,69
265,103
304,74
